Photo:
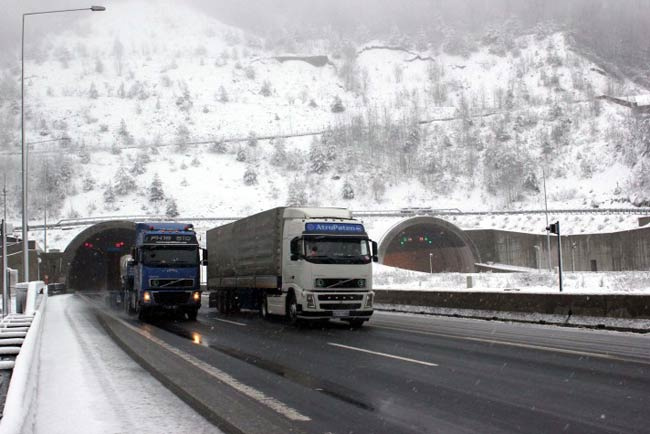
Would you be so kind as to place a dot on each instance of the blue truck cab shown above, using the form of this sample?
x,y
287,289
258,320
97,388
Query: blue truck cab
x,y
165,266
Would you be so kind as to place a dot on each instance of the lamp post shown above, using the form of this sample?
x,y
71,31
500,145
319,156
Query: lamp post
x,y
548,235
22,127
430,263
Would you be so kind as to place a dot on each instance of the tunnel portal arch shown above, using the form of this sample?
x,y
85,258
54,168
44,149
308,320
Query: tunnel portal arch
x,y
91,260
428,244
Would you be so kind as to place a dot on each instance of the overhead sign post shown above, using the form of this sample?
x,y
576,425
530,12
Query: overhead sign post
x,y
554,228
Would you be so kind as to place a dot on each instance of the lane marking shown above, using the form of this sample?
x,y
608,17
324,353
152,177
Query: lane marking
x,y
392,356
257,395
519,345
229,322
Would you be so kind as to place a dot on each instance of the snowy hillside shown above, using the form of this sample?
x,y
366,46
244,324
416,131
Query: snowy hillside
x,y
169,111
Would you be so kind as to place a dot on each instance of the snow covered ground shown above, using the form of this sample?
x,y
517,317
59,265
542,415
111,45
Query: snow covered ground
x,y
87,384
543,282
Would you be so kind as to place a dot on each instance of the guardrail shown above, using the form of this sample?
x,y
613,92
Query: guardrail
x,y
18,407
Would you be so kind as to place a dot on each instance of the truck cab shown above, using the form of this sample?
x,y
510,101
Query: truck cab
x,y
165,267
327,270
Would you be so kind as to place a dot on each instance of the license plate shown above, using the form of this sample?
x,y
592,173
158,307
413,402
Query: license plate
x,y
341,313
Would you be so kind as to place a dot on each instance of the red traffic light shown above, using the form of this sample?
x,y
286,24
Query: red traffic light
x,y
88,245
119,244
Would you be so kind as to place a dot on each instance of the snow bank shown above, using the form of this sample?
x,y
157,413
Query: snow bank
x,y
543,282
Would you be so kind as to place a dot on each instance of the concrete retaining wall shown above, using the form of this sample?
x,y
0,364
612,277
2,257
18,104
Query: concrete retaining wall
x,y
611,306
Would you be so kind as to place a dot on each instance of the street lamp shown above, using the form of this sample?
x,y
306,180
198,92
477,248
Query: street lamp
x,y
430,263
22,127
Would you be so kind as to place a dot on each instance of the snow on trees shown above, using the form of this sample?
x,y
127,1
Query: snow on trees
x,y
171,210
156,193
250,176
348,191
123,183
297,196
318,160
337,105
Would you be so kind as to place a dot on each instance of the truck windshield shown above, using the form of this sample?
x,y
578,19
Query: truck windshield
x,y
337,250
171,256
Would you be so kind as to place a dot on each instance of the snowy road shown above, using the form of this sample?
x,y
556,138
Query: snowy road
x,y
89,385
400,373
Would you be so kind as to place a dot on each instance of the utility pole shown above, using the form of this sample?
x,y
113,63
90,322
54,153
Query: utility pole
x,y
548,235
45,212
5,289
430,263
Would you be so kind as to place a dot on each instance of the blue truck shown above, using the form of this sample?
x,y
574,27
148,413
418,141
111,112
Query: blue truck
x,y
163,273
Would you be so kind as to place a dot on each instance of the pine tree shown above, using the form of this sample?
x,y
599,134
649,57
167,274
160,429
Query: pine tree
x,y
318,157
266,88
348,191
250,176
109,195
297,194
279,156
223,95
218,147
156,193
92,92
124,183
84,155
172,209
241,155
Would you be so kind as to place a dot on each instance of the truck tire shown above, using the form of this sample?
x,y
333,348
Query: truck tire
x,y
264,307
292,309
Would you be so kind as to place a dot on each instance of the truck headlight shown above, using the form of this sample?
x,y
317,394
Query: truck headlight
x,y
369,299
196,296
319,283
310,301
146,296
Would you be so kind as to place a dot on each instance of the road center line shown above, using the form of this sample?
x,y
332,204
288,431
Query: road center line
x,y
230,322
405,359
518,344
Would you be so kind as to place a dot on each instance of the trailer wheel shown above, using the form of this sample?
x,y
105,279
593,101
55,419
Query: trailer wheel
x,y
264,307
292,309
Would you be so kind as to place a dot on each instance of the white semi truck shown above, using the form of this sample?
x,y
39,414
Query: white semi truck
x,y
302,263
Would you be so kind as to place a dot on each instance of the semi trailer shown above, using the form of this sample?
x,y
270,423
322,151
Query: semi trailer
x,y
163,272
302,263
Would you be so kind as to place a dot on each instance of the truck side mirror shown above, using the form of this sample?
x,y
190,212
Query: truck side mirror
x,y
295,249
375,258
205,256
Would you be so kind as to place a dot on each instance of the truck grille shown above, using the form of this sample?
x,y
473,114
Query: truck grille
x,y
340,306
171,298
343,283
171,283
339,297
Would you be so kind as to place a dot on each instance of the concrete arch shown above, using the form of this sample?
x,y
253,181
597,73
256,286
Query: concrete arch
x,y
91,260
428,244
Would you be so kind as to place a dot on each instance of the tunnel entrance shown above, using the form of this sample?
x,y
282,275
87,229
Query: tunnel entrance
x,y
428,244
92,260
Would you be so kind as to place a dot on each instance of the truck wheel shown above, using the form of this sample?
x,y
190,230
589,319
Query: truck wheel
x,y
264,307
292,309
191,314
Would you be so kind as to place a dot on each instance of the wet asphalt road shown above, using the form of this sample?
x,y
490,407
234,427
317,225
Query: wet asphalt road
x,y
411,373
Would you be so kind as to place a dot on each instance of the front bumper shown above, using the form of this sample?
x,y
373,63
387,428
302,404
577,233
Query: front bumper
x,y
170,299
337,314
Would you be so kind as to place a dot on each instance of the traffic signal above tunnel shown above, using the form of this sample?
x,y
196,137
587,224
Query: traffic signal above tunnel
x,y
88,245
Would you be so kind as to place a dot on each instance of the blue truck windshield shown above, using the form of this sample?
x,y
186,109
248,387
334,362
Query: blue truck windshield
x,y
337,250
172,256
